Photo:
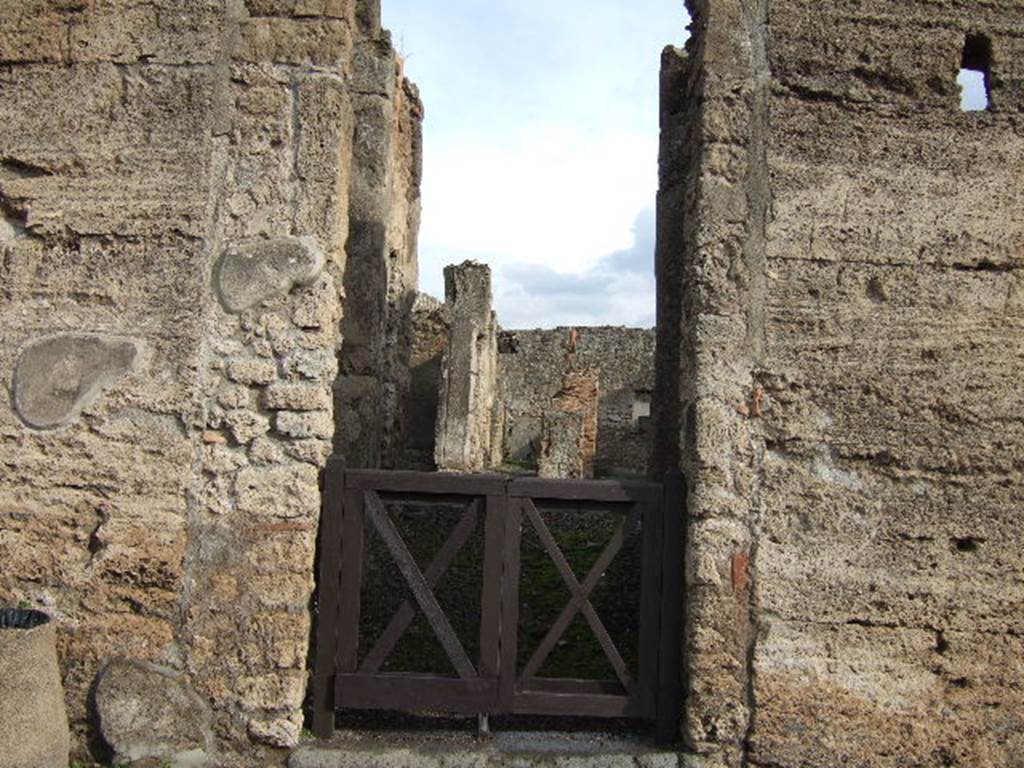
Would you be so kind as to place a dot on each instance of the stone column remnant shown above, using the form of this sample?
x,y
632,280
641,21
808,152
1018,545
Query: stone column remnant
x,y
561,445
468,372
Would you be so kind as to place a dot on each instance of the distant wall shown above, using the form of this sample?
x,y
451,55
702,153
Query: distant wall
x,y
431,322
532,367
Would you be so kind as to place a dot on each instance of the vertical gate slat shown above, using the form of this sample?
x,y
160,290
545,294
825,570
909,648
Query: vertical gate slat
x,y
490,602
327,599
351,581
670,691
650,607
509,630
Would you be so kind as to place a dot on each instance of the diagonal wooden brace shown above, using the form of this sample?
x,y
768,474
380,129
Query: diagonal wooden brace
x,y
435,571
421,590
580,600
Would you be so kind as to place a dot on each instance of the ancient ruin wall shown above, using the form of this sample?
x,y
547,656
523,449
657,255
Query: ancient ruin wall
x,y
532,368
175,184
382,274
840,264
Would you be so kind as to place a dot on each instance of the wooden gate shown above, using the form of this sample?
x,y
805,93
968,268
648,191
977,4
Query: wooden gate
x,y
497,676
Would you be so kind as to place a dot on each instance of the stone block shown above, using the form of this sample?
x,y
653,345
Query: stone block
x,y
297,397
34,31
282,732
150,712
175,32
251,273
281,691
252,371
284,492
246,425
312,364
56,377
305,425
315,452
561,448
320,42
142,554
265,450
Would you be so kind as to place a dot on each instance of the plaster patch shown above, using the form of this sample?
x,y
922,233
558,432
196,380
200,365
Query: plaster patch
x,y
57,377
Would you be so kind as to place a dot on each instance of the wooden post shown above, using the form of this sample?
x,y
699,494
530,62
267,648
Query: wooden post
x,y
670,687
327,598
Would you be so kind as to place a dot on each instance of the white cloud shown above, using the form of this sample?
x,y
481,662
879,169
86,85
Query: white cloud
x,y
540,143
617,290
551,196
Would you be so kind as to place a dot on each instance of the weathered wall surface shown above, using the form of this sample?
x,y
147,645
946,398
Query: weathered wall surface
x,y
840,258
382,274
431,323
175,188
467,433
533,366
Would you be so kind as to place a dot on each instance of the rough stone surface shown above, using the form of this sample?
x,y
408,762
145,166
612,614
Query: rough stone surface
x,y
252,273
580,394
55,378
149,712
382,271
431,326
466,438
561,452
33,721
519,750
178,173
839,362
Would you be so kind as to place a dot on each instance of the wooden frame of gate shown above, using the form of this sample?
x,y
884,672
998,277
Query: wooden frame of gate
x,y
492,684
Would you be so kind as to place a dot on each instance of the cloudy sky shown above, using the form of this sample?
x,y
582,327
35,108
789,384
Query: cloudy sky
x,y
541,144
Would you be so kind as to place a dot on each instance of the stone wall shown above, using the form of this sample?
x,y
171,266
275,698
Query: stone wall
x,y
382,274
431,323
175,183
533,366
840,268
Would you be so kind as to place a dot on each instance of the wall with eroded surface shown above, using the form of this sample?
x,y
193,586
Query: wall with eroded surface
x,y
176,179
840,328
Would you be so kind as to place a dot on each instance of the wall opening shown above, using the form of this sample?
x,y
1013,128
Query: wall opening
x,y
975,74
641,411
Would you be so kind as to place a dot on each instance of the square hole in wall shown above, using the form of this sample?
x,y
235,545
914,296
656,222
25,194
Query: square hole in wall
x,y
975,74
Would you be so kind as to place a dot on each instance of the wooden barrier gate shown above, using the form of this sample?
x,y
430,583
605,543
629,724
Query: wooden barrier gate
x,y
497,681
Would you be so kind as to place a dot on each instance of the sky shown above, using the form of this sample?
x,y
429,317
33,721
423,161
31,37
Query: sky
x,y
540,149
541,146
